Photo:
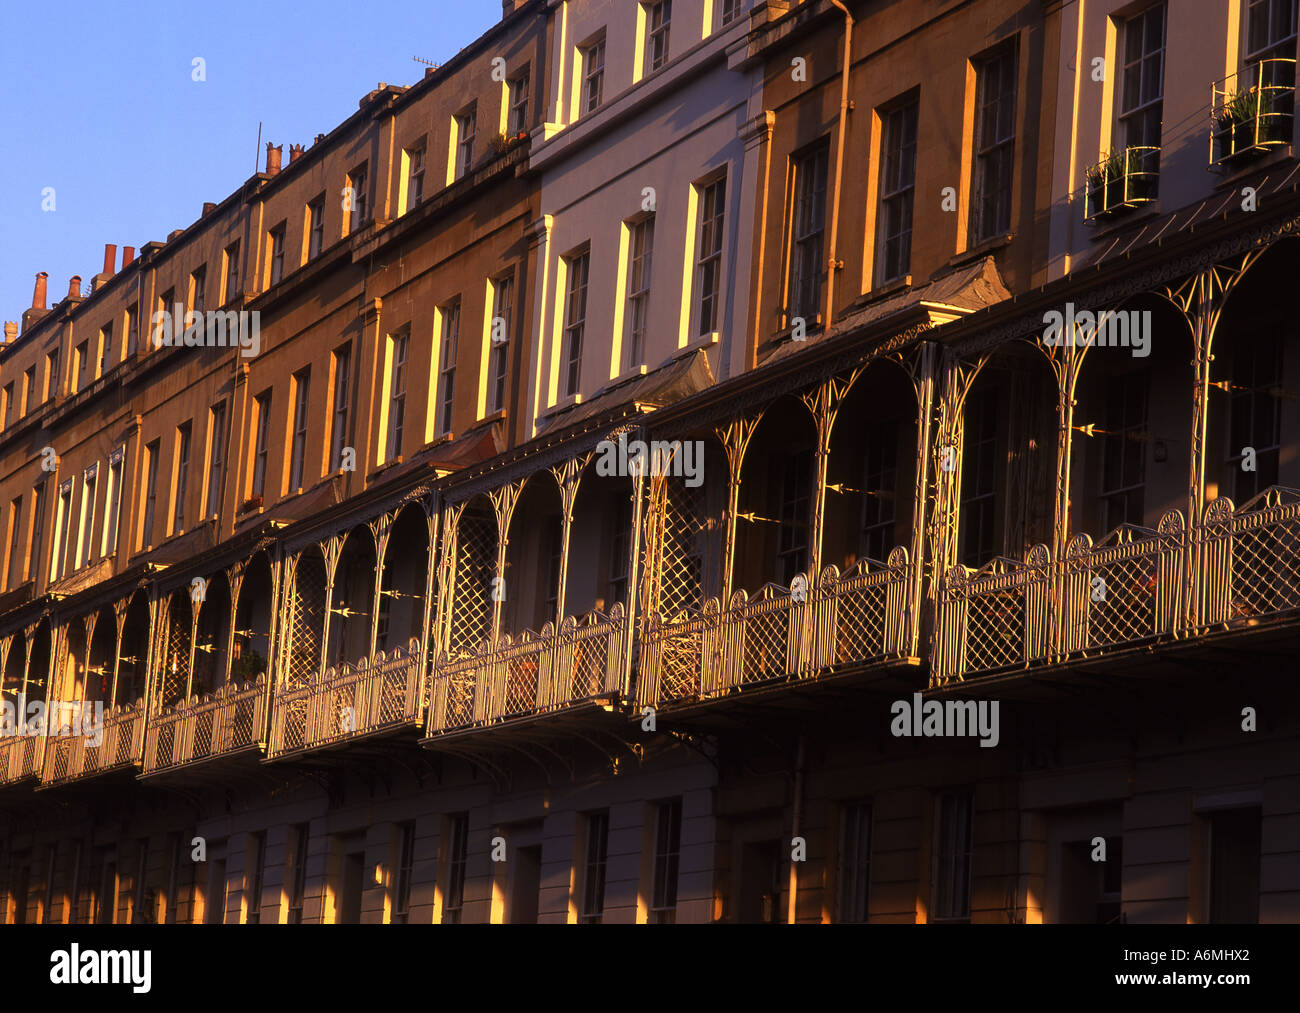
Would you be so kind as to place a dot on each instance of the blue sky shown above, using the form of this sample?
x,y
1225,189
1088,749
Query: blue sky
x,y
99,103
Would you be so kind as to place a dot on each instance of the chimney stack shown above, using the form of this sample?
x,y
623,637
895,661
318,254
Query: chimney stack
x,y
273,158
74,287
208,208
110,261
128,255
38,309
294,151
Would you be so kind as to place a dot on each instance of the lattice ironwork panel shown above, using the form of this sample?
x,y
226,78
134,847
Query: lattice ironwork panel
x,y
392,697
590,658
295,722
460,698
203,722
521,683
766,641
166,744
995,635
682,551
126,741
176,660
1121,594
476,551
681,662
1265,566
860,623
307,620
241,728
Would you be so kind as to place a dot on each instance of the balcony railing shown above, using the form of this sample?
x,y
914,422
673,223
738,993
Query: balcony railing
x,y
1127,179
348,702
69,757
1251,558
846,620
994,617
1252,111
1130,588
1127,589
21,757
232,718
533,673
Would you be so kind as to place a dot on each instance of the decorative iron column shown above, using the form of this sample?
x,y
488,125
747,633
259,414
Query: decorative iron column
x,y
120,608
448,585
1066,371
655,520
156,612
91,621
286,581
29,635
504,500
381,529
633,578
1201,300
197,602
332,549
235,585
273,635
824,403
735,437
431,517
567,476
922,372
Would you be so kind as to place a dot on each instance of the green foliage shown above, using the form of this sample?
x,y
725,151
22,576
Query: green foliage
x,y
247,668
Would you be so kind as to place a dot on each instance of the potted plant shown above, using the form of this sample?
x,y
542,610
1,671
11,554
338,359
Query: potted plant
x,y
1141,167
1105,184
247,667
1249,120
499,144
1095,189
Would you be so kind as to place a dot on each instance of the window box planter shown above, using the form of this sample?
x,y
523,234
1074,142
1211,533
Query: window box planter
x,y
1259,116
1124,180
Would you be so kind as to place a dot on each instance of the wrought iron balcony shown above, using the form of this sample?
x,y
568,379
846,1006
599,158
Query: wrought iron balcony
x,y
21,757
1250,558
70,757
1126,589
1127,179
1252,111
846,620
348,702
530,674
230,720
1237,568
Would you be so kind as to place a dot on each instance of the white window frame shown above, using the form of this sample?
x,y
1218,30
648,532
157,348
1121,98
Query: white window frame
x,y
86,519
112,503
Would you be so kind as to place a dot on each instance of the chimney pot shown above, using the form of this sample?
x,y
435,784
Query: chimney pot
x,y
74,287
273,158
128,255
11,331
38,294
110,257
294,151
208,207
